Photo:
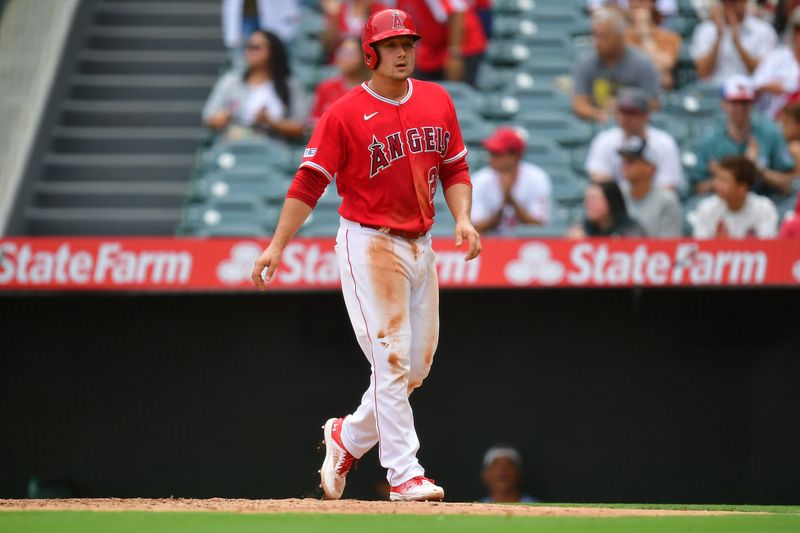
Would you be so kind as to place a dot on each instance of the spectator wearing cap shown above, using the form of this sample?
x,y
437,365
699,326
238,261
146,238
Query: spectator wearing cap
x,y
453,43
502,476
777,78
509,191
603,161
744,133
605,214
730,42
612,66
352,71
657,210
733,211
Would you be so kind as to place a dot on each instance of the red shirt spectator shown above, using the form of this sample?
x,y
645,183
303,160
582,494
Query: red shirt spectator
x,y
351,73
431,18
791,226
345,19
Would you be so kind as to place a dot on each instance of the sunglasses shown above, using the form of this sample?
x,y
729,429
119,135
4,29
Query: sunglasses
x,y
253,46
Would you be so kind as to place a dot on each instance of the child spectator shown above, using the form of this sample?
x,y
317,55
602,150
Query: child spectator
x,y
733,211
605,214
264,100
509,191
351,67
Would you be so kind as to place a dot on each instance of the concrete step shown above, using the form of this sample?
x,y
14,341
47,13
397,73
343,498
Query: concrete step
x,y
161,13
111,194
127,140
132,113
155,37
118,167
102,221
206,63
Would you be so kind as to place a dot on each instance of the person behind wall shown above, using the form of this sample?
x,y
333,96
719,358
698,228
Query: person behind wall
x,y
605,214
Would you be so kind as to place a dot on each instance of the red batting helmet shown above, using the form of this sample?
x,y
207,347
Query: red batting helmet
x,y
383,25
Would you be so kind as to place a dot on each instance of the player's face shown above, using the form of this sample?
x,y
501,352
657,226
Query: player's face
x,y
397,58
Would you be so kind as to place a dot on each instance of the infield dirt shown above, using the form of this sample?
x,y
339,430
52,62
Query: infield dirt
x,y
308,505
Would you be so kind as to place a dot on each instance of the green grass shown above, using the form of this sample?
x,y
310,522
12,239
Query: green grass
x,y
783,509
167,522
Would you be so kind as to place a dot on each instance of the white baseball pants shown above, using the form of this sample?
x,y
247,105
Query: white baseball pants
x,y
391,292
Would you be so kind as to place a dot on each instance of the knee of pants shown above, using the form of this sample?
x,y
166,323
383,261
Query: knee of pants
x,y
416,377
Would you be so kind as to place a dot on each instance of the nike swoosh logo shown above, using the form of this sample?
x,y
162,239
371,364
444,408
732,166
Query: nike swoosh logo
x,y
367,117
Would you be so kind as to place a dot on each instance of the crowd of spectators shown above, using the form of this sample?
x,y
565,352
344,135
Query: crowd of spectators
x,y
639,180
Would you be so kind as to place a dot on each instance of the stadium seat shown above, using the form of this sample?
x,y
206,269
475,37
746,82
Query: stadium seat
x,y
677,128
323,221
228,212
563,128
543,98
270,191
498,106
567,187
507,52
473,128
465,98
252,153
232,230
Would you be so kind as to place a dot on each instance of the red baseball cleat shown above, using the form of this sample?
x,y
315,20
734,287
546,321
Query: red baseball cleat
x,y
337,461
417,489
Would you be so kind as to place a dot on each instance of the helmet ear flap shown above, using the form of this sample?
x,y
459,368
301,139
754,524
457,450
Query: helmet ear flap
x,y
371,57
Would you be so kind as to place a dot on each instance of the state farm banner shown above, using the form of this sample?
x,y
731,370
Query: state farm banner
x,y
177,264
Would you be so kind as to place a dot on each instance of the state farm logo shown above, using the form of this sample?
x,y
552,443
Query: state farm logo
x,y
534,264
236,269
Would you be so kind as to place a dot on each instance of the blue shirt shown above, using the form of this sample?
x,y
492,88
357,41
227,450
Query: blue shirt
x,y
716,144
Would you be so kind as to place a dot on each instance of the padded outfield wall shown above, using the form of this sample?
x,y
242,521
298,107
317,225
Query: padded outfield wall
x,y
637,395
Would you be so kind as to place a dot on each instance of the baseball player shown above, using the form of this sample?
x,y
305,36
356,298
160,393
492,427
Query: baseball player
x,y
387,143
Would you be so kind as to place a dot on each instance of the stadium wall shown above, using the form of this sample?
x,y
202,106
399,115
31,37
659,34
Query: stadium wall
x,y
654,395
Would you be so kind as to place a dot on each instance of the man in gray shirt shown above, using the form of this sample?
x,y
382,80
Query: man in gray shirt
x,y
657,210
612,66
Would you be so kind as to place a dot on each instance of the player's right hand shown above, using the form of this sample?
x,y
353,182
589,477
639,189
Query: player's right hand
x,y
269,259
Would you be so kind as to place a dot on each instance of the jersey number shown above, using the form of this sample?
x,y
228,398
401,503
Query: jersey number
x,y
433,177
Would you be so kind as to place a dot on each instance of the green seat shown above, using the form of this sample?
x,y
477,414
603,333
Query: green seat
x,y
563,128
330,199
323,220
443,225
543,98
474,128
229,211
231,230
249,153
311,25
465,98
507,52
675,127
268,191
498,106
307,51
567,187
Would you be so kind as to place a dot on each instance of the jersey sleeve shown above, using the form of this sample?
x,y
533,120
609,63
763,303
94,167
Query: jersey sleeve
x,y
325,152
456,150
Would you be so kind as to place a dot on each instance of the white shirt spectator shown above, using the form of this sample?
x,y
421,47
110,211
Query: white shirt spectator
x,y
531,190
780,65
281,17
604,159
757,37
757,218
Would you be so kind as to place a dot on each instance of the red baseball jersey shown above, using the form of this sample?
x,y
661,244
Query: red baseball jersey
x,y
387,156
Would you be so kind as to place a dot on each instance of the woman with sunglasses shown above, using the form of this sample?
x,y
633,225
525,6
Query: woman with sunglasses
x,y
262,100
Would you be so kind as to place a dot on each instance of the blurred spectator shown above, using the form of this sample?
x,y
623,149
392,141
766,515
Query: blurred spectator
x,y
744,134
733,211
666,8
345,19
502,476
509,191
790,122
612,66
483,8
453,42
790,229
603,162
657,210
240,18
730,42
352,71
777,77
663,47
783,8
264,100
605,214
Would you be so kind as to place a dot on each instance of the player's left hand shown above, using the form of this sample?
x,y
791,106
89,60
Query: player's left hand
x,y
465,231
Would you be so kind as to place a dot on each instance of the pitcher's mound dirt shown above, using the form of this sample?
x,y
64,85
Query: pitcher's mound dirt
x,y
316,506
